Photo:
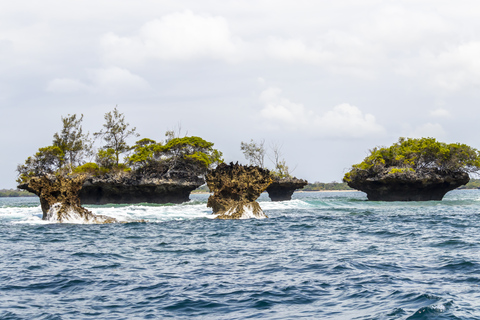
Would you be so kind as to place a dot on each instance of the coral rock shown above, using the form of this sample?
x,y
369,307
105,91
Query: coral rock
x,y
409,185
131,188
60,201
282,189
235,190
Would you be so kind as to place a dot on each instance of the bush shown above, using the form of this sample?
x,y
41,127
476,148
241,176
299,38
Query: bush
x,y
418,155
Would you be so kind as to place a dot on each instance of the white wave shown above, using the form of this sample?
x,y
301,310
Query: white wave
x,y
21,214
154,213
284,205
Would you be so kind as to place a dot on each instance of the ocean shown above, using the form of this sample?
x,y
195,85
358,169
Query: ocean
x,y
322,255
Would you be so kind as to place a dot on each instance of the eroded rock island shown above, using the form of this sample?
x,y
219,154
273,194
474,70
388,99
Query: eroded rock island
x,y
409,185
235,191
59,199
414,170
281,189
135,188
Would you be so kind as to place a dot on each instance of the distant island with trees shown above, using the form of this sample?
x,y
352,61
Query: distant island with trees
x,y
414,169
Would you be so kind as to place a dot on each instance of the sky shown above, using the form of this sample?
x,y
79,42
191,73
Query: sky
x,y
325,80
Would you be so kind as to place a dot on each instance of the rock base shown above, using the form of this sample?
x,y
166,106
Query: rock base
x,y
106,190
282,189
410,186
243,211
235,190
60,201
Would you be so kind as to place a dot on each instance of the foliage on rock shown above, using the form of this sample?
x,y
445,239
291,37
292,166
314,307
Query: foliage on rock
x,y
178,155
414,170
418,156
114,134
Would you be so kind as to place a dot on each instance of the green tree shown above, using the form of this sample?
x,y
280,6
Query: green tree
x,y
418,155
115,133
192,155
72,141
47,160
281,169
254,152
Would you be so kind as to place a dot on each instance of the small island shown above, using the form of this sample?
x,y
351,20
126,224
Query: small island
x,y
151,171
413,170
235,191
283,183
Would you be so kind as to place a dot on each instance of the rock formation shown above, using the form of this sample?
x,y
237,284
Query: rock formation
x,y
235,190
408,185
136,188
282,189
60,201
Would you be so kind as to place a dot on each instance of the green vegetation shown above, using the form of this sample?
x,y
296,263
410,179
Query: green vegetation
x,y
115,133
472,184
72,142
321,186
15,193
192,154
180,157
417,155
255,153
202,189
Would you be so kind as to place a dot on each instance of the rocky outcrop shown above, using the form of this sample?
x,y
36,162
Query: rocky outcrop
x,y
408,185
136,188
235,191
282,189
60,201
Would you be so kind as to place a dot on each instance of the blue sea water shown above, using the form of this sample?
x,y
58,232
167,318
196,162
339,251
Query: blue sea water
x,y
329,255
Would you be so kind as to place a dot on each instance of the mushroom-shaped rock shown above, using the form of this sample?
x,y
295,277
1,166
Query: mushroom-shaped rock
x,y
413,170
60,201
409,186
282,189
235,190
134,188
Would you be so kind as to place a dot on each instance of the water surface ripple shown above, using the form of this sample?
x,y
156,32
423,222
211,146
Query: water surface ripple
x,y
320,256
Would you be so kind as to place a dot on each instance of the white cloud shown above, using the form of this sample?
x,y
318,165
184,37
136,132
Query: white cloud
x,y
176,36
440,113
295,50
342,121
112,80
433,130
457,67
66,85
116,80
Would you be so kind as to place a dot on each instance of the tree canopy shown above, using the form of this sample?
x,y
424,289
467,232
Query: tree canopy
x,y
114,134
72,141
418,155
192,153
255,153
180,157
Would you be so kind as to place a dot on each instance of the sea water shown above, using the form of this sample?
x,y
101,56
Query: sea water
x,y
329,255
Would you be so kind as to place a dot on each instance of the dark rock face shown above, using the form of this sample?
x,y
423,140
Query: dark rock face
x,y
128,188
60,201
409,186
236,189
282,189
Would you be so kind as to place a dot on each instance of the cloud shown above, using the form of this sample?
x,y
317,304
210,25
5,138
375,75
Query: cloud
x,y
295,50
434,130
66,85
111,80
457,67
178,37
342,121
440,113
